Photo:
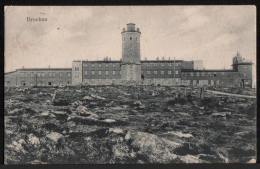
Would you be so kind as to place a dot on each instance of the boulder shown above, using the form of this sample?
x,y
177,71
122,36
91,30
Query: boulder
x,y
17,146
97,97
37,162
190,159
180,134
15,111
32,139
221,114
153,148
116,130
87,98
54,136
109,120
252,161
83,111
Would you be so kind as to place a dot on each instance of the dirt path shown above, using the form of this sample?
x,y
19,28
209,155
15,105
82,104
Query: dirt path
x,y
230,94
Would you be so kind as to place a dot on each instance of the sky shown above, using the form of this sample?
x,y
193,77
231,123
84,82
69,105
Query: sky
x,y
213,34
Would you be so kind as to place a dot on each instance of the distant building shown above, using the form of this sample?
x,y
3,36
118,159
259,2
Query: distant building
x,y
38,77
132,69
198,65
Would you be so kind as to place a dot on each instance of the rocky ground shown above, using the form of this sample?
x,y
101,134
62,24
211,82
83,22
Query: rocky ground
x,y
134,124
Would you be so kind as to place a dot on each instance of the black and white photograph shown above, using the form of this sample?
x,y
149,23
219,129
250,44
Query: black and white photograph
x,y
130,84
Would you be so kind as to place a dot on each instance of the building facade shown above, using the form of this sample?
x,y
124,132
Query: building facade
x,y
132,69
39,77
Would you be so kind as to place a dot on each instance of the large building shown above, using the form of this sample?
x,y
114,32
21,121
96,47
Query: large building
x,y
131,69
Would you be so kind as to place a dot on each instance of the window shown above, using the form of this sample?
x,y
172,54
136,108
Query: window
x,y
69,74
106,72
191,73
198,74
169,72
130,38
148,72
155,72
99,65
162,72
176,72
92,72
99,72
114,72
86,72
162,64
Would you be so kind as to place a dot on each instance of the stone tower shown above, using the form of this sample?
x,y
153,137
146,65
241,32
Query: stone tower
x,y
131,65
244,68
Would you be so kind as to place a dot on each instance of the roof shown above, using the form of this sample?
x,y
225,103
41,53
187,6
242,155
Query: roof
x,y
10,72
143,61
102,61
208,70
44,69
131,24
243,63
161,61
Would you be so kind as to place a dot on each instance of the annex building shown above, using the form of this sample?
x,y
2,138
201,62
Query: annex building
x,y
131,69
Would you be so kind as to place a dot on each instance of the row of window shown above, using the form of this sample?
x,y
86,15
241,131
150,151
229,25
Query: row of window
x,y
203,74
117,65
102,65
40,83
130,38
49,74
162,72
161,64
100,72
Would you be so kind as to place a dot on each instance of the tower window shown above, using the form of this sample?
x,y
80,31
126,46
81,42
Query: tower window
x,y
130,38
